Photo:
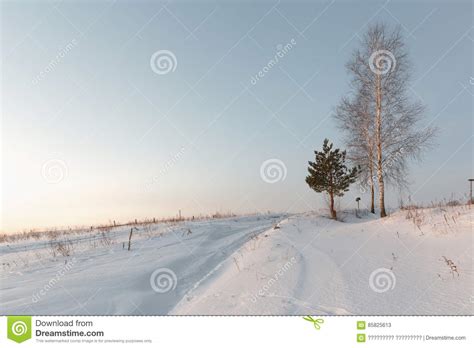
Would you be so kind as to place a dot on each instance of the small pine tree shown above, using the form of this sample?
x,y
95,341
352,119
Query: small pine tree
x,y
330,174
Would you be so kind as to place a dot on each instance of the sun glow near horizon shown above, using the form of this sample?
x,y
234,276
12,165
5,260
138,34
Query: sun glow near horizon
x,y
106,127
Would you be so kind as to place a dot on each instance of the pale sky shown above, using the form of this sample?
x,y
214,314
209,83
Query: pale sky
x,y
91,133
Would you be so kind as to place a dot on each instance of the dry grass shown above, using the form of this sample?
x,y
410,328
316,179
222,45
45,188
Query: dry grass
x,y
55,233
421,215
61,248
452,267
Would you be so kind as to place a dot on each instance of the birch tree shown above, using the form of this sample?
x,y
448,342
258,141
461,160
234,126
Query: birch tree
x,y
355,121
382,116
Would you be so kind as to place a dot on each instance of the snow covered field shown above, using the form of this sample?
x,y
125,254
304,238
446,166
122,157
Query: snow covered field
x,y
413,262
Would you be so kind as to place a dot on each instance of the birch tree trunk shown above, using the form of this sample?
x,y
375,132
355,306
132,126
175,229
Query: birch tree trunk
x,y
371,179
378,139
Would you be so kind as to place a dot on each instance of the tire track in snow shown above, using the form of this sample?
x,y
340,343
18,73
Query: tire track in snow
x,y
235,246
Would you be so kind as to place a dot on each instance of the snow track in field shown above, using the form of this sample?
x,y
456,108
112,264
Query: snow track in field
x,y
107,279
279,265
333,263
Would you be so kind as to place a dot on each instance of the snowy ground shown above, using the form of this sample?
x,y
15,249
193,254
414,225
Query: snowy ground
x,y
417,262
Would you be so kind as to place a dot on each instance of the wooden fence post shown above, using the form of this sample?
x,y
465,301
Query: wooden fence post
x,y
130,239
